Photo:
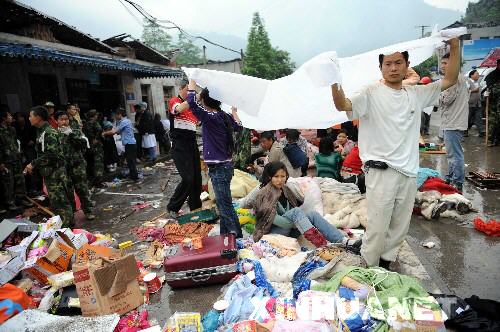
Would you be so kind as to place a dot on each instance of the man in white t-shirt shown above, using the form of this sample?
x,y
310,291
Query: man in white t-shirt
x,y
389,122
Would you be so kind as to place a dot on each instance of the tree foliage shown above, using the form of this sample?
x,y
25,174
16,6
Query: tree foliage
x,y
425,68
189,53
155,37
261,58
482,11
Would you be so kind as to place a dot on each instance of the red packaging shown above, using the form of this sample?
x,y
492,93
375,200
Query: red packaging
x,y
214,263
152,282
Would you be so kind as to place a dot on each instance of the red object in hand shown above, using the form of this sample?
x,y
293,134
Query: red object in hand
x,y
491,228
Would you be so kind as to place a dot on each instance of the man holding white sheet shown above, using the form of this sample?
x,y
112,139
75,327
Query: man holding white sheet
x,y
389,115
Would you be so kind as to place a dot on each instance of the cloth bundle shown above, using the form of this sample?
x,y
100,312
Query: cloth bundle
x,y
433,205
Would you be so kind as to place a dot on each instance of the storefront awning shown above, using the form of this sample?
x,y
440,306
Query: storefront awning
x,y
29,51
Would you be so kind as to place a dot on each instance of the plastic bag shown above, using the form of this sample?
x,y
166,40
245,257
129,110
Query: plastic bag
x,y
133,322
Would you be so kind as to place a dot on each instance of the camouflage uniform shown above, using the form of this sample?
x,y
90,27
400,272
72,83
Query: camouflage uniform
x,y
243,149
50,164
12,185
93,131
74,143
494,113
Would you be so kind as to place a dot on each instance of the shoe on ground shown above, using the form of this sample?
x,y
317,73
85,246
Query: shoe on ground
x,y
384,264
2,210
89,216
173,214
354,246
24,202
13,207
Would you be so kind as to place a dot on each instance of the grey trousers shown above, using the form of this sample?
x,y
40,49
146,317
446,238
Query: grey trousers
x,y
390,196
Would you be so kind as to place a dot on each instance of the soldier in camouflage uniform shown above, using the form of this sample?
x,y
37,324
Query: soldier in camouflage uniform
x,y
11,167
50,164
493,84
243,149
74,143
93,131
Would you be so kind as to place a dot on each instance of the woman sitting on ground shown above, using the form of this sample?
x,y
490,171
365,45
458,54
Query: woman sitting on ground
x,y
328,161
277,211
343,144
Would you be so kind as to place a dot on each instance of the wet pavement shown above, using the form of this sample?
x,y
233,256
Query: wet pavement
x,y
464,262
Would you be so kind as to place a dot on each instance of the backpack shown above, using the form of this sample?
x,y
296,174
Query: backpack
x,y
295,155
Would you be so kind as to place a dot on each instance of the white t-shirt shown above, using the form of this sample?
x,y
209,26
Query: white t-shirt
x,y
389,123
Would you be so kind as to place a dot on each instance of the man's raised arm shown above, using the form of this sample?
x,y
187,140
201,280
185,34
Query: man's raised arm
x,y
453,70
341,102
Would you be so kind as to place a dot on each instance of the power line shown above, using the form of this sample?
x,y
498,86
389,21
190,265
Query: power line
x,y
156,21
423,28
130,12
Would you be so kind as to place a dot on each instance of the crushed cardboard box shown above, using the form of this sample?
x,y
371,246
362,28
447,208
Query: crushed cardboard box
x,y
105,282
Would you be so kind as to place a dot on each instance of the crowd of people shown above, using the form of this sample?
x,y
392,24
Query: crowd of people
x,y
65,154
378,153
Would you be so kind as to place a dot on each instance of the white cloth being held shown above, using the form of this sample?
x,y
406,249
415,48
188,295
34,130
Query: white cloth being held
x,y
303,99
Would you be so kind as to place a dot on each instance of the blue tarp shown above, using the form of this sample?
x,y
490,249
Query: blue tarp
x,y
29,51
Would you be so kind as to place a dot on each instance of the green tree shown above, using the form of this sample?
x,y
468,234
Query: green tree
x,y
189,53
261,58
425,68
155,37
482,11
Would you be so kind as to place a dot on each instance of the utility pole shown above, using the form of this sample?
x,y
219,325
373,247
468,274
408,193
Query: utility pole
x,y
422,27
204,55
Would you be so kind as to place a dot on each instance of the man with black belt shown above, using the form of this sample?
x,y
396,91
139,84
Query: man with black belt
x,y
390,114
185,153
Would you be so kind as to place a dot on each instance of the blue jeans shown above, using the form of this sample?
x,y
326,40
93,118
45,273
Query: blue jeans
x,y
455,156
221,175
151,153
305,221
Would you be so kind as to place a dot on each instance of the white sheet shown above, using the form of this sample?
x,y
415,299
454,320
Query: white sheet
x,y
303,99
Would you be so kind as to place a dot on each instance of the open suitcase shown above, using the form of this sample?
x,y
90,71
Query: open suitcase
x,y
215,263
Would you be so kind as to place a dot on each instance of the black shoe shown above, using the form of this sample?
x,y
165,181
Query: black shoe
x,y
24,202
13,207
173,215
354,246
384,264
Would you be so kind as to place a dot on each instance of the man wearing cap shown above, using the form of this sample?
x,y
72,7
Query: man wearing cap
x,y
146,129
51,109
389,114
184,152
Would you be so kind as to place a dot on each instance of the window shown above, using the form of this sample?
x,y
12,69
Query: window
x,y
146,96
168,92
43,89
484,37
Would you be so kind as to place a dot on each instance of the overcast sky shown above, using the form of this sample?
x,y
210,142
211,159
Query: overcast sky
x,y
304,28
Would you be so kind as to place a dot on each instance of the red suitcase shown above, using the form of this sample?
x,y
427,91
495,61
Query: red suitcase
x,y
215,263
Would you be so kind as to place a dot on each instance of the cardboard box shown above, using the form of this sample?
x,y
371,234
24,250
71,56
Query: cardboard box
x,y
55,261
24,225
66,236
107,286
17,259
88,253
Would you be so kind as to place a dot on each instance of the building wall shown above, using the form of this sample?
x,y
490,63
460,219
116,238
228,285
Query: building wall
x,y
156,96
486,32
15,89
227,66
